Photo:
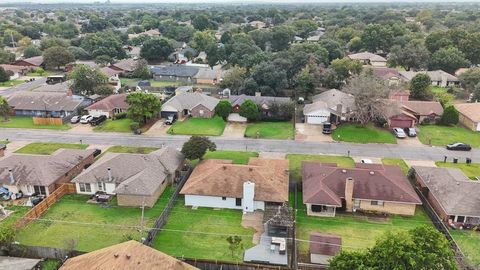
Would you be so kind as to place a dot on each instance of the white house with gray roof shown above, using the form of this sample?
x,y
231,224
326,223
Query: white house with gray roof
x,y
134,178
330,106
438,77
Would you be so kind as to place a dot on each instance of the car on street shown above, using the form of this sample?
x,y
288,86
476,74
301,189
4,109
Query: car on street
x,y
459,146
411,132
75,119
86,119
95,121
399,133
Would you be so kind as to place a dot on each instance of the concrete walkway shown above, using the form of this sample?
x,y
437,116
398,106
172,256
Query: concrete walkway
x,y
234,130
272,155
427,163
14,146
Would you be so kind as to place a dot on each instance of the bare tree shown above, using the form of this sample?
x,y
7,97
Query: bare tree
x,y
371,98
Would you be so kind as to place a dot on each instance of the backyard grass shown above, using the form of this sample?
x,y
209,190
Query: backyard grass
x,y
27,122
238,157
47,148
443,135
470,170
131,149
120,125
468,241
439,90
202,233
270,130
89,226
49,264
295,162
396,161
11,83
362,134
198,126
18,211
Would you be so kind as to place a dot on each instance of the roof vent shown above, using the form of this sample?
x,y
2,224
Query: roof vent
x,y
109,171
250,169
224,167
115,255
372,172
128,256
344,171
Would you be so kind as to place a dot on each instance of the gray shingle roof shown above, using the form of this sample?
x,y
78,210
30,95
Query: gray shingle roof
x,y
40,169
259,100
329,100
435,75
175,70
367,56
134,174
52,101
456,194
189,101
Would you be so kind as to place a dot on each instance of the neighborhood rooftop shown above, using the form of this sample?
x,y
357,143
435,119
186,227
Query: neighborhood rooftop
x,y
469,110
259,100
109,103
50,101
189,101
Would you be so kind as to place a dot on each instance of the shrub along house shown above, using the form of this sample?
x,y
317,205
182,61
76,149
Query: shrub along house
x,y
264,103
196,105
134,178
42,174
367,187
454,197
109,106
222,184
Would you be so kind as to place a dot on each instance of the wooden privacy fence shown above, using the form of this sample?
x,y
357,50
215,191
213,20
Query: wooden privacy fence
x,y
43,206
220,265
51,121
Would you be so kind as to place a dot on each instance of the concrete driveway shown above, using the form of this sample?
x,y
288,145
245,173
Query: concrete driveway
x,y
81,128
409,141
158,129
234,130
311,133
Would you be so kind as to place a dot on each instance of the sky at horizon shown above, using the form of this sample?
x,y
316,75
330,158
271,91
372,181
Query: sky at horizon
x,y
231,1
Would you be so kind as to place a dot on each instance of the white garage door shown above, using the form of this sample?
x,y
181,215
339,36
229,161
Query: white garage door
x,y
478,126
316,119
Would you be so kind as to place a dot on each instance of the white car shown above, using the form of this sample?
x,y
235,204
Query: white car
x,y
86,119
399,133
75,119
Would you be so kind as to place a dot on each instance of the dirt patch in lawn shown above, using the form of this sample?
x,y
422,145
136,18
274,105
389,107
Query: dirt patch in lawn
x,y
254,220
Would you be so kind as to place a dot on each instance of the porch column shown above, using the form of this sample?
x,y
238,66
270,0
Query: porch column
x,y
455,219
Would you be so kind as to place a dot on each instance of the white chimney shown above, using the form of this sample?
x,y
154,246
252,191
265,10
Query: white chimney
x,y
109,174
12,180
248,195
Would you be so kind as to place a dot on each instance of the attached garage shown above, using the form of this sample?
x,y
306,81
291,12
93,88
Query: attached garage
x,y
402,121
316,113
316,119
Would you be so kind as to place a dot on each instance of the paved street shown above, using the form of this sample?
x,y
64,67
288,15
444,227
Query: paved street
x,y
283,146
24,86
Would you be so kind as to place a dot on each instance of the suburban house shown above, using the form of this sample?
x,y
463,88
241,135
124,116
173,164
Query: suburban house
x,y
134,178
469,115
264,103
113,77
412,112
370,59
454,197
209,75
196,105
125,66
367,187
109,106
32,62
50,104
221,184
130,255
330,106
391,75
323,247
150,33
174,72
42,174
15,71
438,77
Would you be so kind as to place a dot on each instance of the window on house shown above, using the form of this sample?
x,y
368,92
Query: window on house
x,y
460,218
238,201
379,203
101,186
40,190
356,203
85,187
224,198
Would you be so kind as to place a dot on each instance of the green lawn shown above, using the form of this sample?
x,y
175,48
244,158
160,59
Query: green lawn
x,y
4,142
198,126
18,211
44,74
468,241
49,264
470,170
91,226
202,233
120,125
47,148
27,122
357,231
443,135
131,149
439,90
270,130
238,157
396,161
362,134
295,162
11,83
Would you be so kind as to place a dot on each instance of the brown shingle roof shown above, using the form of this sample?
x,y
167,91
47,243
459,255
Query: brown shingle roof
x,y
223,178
469,110
36,60
423,108
325,183
14,68
130,255
325,244
111,102
40,101
125,65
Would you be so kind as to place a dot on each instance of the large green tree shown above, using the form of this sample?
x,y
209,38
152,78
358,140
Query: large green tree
x,y
157,49
31,51
412,56
234,79
142,70
304,27
470,78
85,79
143,106
104,43
448,59
223,109
4,76
421,87
56,57
377,37
249,110
5,109
449,116
6,57
197,146
202,39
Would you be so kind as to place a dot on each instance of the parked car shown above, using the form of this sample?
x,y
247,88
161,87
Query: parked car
x,y
86,119
97,152
5,194
95,121
54,79
459,146
399,133
75,119
411,132
170,119
327,128
367,161
36,198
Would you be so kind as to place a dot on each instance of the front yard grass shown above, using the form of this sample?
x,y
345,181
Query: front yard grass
x,y
131,149
11,83
295,163
270,130
89,226
396,161
202,233
443,135
468,241
27,122
238,157
120,125
362,134
47,148
198,126
470,170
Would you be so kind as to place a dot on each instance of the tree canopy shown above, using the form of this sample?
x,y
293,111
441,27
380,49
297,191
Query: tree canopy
x,y
143,106
197,146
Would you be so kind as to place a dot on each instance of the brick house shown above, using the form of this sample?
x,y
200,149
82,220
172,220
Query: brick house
x,y
469,115
367,187
144,178
264,103
32,62
43,173
109,106
407,113
196,105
